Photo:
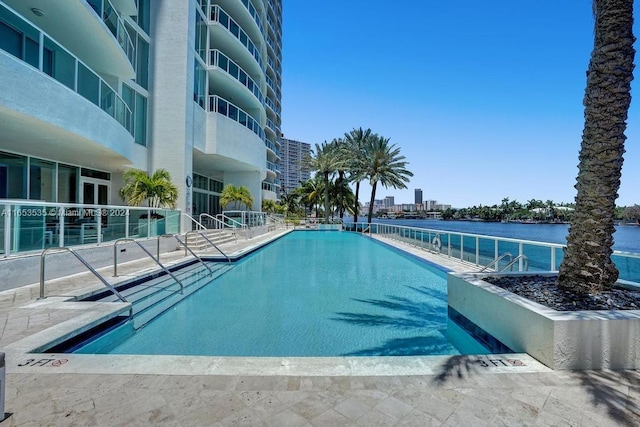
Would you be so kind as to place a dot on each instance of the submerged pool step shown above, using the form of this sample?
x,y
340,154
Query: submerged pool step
x,y
153,284
155,304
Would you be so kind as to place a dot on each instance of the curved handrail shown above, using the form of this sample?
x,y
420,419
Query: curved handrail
x,y
221,223
194,221
187,249
115,260
83,261
240,225
518,258
497,260
205,238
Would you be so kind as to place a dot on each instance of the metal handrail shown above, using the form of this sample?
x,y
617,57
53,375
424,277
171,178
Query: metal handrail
x,y
241,225
194,220
115,260
277,220
188,249
497,260
518,258
83,261
222,223
186,236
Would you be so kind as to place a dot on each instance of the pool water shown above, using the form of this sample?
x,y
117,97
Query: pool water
x,y
310,293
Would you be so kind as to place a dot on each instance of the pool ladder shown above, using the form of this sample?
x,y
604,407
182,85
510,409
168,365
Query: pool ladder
x,y
510,264
83,261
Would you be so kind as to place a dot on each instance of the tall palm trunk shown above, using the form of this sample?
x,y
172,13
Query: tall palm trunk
x,y
374,185
326,197
587,265
356,207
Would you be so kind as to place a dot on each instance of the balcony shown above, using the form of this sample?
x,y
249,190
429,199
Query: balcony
x,y
104,46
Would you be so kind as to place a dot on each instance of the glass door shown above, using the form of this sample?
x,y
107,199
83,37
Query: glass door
x,y
94,192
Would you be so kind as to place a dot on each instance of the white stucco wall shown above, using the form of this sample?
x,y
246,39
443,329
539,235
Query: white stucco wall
x,y
228,138
171,89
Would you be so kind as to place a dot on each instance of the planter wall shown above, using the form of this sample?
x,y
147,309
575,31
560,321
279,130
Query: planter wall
x,y
559,339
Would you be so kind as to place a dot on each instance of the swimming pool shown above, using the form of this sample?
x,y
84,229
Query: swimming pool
x,y
310,293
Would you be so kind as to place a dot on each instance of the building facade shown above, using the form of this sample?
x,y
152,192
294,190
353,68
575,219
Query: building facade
x,y
418,196
293,168
91,88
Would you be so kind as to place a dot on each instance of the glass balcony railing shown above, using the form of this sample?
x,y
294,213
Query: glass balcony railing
x,y
273,167
105,10
270,145
227,109
272,126
272,105
255,15
33,225
269,186
58,63
217,14
482,250
220,60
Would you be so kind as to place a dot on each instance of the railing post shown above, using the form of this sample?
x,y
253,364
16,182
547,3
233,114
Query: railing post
x,y
477,250
42,276
7,230
126,222
99,227
520,253
61,225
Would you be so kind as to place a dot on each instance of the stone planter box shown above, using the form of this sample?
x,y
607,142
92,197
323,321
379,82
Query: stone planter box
x,y
559,339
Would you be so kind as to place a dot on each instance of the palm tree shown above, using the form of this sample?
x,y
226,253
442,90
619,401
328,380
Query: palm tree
x,y
356,141
587,266
271,206
386,166
310,193
156,189
238,195
289,202
327,159
342,196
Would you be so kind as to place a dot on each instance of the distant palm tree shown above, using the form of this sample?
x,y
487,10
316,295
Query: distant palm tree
x,y
327,159
356,142
156,189
587,266
310,193
270,206
341,196
386,166
289,201
239,195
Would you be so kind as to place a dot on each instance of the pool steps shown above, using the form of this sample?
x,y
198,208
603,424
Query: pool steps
x,y
217,237
151,298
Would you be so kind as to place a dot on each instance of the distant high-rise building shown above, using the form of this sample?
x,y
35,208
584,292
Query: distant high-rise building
x,y
293,169
389,201
418,196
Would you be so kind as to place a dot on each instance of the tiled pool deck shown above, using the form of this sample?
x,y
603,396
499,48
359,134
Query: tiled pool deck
x,y
102,390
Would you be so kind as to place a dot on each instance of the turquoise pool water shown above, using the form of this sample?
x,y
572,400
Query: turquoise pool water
x,y
307,294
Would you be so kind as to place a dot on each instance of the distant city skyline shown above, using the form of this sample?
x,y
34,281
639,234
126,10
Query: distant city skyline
x,y
484,102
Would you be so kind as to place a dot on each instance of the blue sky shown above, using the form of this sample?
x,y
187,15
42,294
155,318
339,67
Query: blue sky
x,y
484,99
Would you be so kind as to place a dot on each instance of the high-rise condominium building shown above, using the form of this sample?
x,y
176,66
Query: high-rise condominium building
x,y
294,169
418,196
91,88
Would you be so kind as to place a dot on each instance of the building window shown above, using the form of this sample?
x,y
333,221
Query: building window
x,y
138,105
13,176
142,62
